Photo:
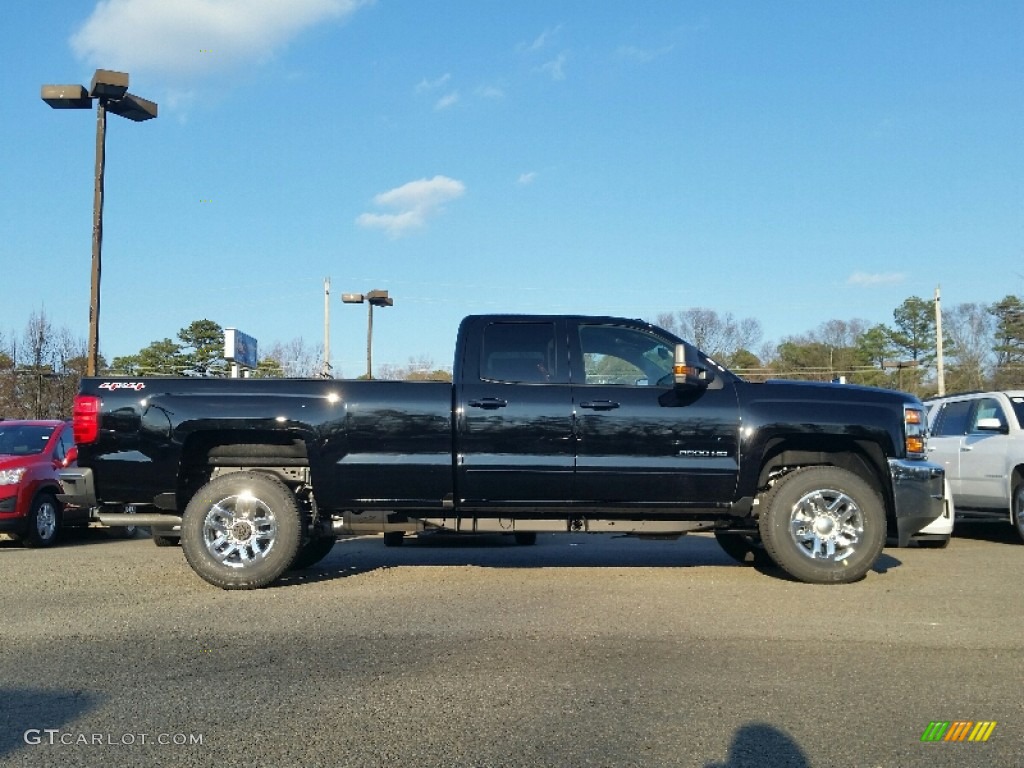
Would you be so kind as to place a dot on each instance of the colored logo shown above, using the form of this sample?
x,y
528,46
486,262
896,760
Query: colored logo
x,y
958,730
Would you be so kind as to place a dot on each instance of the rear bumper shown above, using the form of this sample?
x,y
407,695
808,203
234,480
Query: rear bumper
x,y
918,495
79,490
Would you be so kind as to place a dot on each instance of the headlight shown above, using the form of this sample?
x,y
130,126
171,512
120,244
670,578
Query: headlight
x,y
11,476
915,426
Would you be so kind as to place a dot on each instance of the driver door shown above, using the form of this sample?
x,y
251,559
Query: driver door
x,y
640,442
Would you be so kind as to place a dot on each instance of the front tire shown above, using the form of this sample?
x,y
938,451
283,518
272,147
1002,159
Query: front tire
x,y
1018,509
823,525
242,530
42,527
745,549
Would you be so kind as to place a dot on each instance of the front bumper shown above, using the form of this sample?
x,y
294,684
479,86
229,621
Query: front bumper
x,y
918,495
13,525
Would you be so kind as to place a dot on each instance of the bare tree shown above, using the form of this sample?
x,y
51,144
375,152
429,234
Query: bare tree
x,y
39,376
720,336
70,363
969,339
419,368
7,380
297,359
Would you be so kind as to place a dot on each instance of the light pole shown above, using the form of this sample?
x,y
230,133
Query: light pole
x,y
373,299
110,90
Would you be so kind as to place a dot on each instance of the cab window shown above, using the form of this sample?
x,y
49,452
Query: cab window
x,y
518,352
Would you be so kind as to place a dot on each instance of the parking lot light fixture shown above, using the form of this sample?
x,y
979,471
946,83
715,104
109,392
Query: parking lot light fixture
x,y
374,298
109,89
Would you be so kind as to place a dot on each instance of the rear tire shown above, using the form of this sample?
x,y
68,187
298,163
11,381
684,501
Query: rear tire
x,y
823,525
394,538
242,530
42,526
745,549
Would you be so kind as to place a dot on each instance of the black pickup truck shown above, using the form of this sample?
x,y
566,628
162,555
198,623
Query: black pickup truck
x,y
552,424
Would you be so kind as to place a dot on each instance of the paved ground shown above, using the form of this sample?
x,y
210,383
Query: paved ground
x,y
579,651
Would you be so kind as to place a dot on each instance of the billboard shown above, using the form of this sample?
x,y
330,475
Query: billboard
x,y
239,348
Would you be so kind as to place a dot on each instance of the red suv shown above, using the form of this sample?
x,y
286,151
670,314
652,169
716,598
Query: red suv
x,y
31,452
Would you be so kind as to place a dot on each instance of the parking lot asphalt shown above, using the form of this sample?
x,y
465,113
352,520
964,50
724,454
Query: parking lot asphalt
x,y
582,650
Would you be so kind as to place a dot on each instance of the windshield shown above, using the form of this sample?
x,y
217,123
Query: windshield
x,y
24,439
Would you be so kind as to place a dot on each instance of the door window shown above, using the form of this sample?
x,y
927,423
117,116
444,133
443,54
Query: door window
x,y
952,419
519,352
988,408
625,357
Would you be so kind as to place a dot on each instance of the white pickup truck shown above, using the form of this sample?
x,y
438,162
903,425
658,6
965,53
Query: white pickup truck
x,y
978,439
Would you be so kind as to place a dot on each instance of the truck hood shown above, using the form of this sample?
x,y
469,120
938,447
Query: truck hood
x,y
826,390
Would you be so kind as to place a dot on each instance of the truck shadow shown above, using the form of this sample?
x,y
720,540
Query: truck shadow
x,y
998,531
353,556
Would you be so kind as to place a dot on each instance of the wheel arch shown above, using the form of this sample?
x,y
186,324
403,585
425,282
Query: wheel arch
x,y
1016,480
282,453
863,458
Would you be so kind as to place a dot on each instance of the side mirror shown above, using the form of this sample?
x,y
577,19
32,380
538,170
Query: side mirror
x,y
687,372
991,425
70,457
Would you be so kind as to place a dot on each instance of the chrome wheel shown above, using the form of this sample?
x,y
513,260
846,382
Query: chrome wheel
x,y
46,521
826,524
240,530
823,524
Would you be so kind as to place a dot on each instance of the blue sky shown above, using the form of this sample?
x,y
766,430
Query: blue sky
x,y
795,162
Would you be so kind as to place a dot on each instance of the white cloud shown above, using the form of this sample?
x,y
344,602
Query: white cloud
x,y
527,178
878,278
541,41
446,101
430,85
173,38
555,67
414,203
490,92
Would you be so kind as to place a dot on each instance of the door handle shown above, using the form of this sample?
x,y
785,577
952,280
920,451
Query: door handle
x,y
488,403
600,405
966,448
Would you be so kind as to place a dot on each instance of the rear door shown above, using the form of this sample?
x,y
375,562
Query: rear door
x,y
514,439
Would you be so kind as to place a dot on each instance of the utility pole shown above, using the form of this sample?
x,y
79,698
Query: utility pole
x,y
939,367
326,372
